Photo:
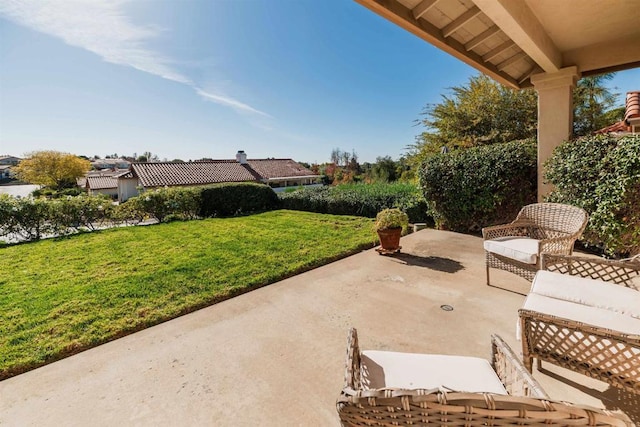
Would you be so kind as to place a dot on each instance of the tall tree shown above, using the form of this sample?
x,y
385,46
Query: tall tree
x,y
481,112
592,103
52,169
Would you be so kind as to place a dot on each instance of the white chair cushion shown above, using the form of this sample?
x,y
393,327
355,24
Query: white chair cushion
x,y
594,316
523,249
593,293
387,369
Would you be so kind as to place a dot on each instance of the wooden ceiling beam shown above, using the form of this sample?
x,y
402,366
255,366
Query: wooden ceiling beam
x,y
523,78
423,7
518,22
512,60
455,25
498,50
482,37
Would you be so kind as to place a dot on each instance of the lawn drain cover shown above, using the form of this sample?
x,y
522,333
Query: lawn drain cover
x,y
446,307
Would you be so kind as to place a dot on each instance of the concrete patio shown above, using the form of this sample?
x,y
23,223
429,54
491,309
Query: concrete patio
x,y
275,356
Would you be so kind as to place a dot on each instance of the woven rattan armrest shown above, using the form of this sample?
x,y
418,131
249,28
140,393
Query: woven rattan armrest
x,y
352,364
514,376
620,272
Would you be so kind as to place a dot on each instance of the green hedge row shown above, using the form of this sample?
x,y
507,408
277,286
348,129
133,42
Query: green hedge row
x,y
34,218
359,200
476,187
601,174
233,199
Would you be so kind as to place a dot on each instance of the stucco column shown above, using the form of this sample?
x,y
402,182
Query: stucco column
x,y
555,115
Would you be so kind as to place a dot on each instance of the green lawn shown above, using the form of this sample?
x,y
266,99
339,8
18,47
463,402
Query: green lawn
x,y
58,297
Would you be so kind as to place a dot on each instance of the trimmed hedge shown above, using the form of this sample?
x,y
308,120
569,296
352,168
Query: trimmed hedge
x,y
31,219
359,200
480,186
231,199
601,174
163,204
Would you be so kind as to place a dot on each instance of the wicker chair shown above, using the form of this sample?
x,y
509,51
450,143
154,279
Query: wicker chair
x,y
540,227
521,400
580,323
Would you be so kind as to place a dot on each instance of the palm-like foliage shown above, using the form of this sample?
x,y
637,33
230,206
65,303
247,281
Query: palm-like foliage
x,y
592,101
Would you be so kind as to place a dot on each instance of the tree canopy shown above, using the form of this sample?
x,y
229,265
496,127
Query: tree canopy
x,y
592,105
52,169
479,113
484,112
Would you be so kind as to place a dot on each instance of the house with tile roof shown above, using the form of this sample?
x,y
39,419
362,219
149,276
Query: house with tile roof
x,y
277,173
631,121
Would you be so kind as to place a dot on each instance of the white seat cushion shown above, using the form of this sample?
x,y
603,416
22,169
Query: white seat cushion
x,y
387,369
594,316
593,293
523,249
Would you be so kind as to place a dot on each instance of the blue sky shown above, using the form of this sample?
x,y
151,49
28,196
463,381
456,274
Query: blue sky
x,y
190,79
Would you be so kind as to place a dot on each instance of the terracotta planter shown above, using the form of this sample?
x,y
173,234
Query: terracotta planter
x,y
390,239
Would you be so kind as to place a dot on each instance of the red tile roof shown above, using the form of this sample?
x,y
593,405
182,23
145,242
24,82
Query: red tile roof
x,y
279,168
632,106
632,110
214,171
101,182
193,173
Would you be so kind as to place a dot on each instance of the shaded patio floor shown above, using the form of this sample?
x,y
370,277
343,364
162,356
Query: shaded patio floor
x,y
275,356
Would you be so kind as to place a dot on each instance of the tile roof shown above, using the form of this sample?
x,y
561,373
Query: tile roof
x,y
632,106
279,168
632,111
193,173
101,182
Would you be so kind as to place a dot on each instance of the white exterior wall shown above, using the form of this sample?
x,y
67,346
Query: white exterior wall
x,y
127,188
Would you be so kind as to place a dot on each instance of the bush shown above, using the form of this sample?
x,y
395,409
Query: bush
x,y
601,174
52,193
74,213
359,200
27,218
480,186
163,204
232,199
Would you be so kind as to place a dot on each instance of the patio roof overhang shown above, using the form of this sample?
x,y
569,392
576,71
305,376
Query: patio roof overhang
x,y
546,44
511,40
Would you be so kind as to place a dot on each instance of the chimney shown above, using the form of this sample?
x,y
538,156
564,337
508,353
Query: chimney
x,y
632,111
241,157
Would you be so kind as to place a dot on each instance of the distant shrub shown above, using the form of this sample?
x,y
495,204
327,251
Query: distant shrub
x,y
51,193
601,174
164,204
28,218
475,187
81,212
232,199
359,200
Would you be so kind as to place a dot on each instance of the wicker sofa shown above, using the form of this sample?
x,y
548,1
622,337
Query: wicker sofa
x,y
584,314
539,227
403,389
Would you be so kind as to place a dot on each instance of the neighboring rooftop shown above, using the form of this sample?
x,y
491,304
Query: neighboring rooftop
x,y
216,171
101,182
194,173
631,121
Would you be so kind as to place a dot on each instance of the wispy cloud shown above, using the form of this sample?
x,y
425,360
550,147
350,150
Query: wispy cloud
x,y
229,102
102,27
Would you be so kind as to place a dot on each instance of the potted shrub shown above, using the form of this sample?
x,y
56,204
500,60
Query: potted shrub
x,y
390,224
